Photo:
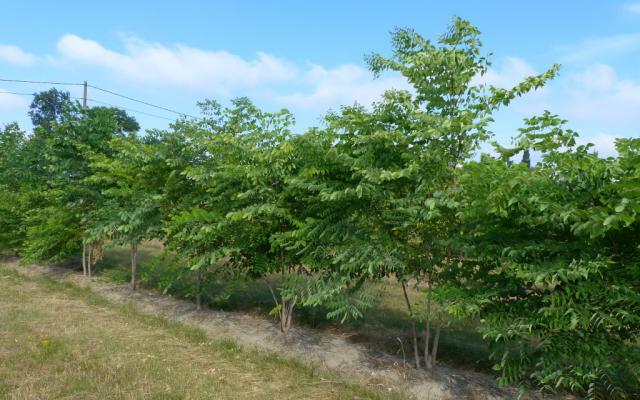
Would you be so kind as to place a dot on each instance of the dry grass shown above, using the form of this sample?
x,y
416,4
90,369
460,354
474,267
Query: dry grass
x,y
58,341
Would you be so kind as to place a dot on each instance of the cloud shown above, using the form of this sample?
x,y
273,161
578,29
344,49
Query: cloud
x,y
601,47
345,84
604,143
511,72
223,73
182,66
633,7
11,101
15,55
598,94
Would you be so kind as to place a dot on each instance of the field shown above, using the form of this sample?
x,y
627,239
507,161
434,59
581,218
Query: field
x,y
58,340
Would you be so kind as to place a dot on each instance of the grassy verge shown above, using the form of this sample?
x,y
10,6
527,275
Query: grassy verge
x,y
58,340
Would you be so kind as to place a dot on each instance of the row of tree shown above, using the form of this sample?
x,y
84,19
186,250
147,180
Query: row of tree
x,y
546,257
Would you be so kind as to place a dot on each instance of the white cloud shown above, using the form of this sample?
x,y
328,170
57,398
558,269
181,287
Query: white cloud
x,y
604,143
181,66
633,7
11,101
601,47
224,73
15,55
511,72
595,94
345,84
598,94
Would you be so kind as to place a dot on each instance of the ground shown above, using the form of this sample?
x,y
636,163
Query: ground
x,y
330,353
61,340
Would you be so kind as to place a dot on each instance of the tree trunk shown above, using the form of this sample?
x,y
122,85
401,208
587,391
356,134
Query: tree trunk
x,y
198,290
427,331
434,350
89,261
286,315
134,264
427,338
414,333
286,309
84,259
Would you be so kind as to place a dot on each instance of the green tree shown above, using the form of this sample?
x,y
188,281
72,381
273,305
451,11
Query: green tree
x,y
552,266
126,122
198,230
13,173
48,106
382,189
131,179
57,228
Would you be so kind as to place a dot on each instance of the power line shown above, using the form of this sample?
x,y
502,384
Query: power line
x,y
17,93
141,101
102,90
41,82
32,94
129,109
99,102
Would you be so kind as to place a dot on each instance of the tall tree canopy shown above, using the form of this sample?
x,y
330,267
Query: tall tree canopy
x,y
48,106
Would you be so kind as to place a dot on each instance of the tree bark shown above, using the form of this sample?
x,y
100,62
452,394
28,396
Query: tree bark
x,y
89,261
287,315
84,259
286,309
427,331
414,333
134,264
198,290
436,341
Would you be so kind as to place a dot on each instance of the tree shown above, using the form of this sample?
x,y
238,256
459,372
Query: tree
x,y
57,228
48,106
220,151
13,176
127,123
131,180
383,188
552,262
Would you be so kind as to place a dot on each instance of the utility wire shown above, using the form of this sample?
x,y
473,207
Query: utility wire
x,y
129,109
102,90
141,101
45,82
99,102
32,94
17,93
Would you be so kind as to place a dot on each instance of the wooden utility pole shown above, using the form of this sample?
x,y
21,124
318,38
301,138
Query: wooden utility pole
x,y
84,95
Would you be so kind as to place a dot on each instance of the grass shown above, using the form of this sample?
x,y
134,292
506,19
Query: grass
x,y
59,340
461,345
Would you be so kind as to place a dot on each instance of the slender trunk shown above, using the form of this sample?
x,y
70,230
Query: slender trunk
x,y
84,259
427,331
288,317
436,341
414,333
198,290
134,264
89,260
286,306
427,338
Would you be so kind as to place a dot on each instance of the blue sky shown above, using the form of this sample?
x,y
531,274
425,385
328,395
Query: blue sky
x,y
308,56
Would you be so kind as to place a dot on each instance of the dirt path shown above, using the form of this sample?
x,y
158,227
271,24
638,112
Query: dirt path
x,y
324,349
